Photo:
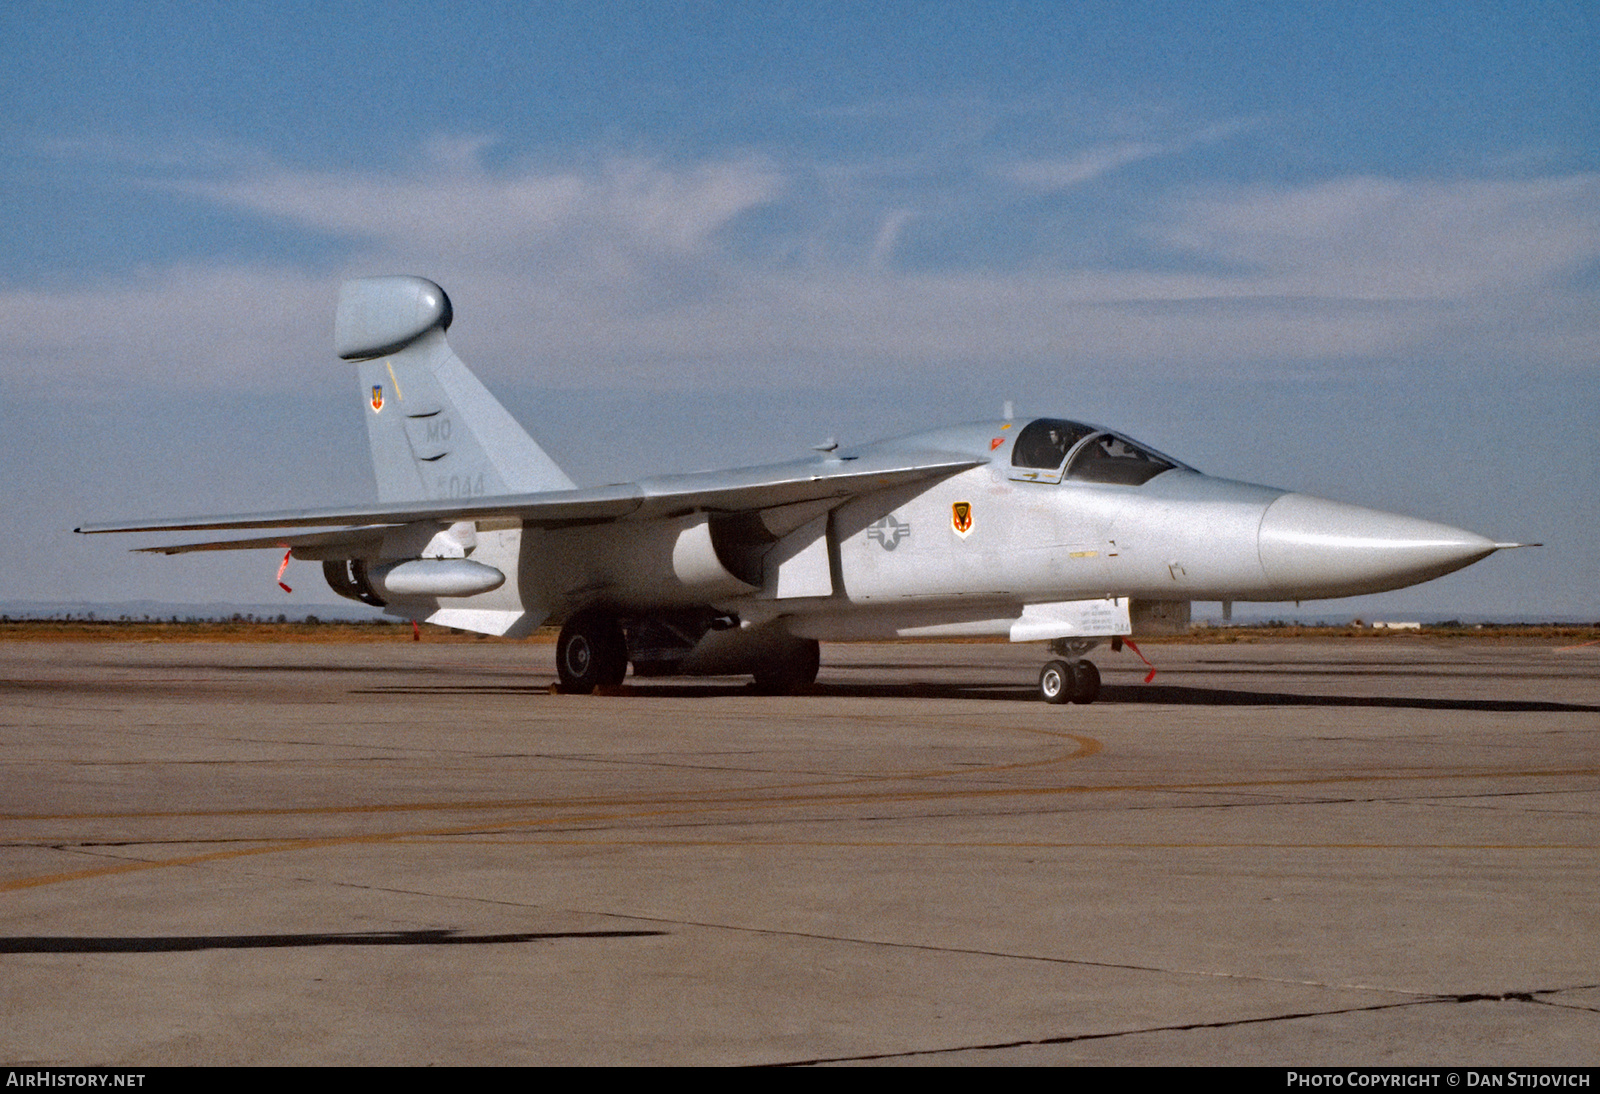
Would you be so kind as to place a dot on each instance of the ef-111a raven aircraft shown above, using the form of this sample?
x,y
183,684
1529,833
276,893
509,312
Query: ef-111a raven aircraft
x,y
1047,530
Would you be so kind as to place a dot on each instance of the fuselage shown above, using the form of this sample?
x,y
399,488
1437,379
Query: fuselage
x,y
1142,525
1059,512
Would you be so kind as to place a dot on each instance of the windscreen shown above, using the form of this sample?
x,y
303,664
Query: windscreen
x,y
1110,458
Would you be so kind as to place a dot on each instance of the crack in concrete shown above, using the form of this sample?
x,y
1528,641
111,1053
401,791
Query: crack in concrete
x,y
1066,1039
878,943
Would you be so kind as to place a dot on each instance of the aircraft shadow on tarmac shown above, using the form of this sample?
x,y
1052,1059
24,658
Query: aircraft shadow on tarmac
x,y
1151,694
1128,695
191,943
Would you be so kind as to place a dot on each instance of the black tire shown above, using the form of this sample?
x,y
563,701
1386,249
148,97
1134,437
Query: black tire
x,y
1056,683
1085,682
591,653
794,669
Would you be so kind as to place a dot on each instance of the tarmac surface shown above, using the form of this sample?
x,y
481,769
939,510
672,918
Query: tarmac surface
x,y
1286,853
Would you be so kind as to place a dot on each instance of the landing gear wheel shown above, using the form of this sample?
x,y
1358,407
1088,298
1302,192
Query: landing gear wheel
x,y
591,653
1056,682
791,670
1085,682
1069,682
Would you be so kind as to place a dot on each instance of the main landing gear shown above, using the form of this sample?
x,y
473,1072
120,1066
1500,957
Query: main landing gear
x,y
788,668
1073,680
591,652
594,649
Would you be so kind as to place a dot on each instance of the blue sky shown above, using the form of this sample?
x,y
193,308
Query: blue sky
x,y
1352,249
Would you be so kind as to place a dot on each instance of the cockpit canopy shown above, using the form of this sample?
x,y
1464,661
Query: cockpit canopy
x,y
1049,448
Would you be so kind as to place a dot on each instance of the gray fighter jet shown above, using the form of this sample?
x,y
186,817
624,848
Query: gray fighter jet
x,y
1048,530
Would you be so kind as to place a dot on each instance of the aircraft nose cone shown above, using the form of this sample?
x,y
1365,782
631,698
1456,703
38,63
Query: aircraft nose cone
x,y
1312,548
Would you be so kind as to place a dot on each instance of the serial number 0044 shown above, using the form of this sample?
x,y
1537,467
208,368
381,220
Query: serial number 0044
x,y
462,486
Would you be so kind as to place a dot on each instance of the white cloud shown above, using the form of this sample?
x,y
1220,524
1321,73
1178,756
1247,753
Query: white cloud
x,y
1386,239
182,327
1060,174
889,236
639,271
1054,174
453,205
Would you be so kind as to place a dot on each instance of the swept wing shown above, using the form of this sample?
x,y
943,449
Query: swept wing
x,y
739,490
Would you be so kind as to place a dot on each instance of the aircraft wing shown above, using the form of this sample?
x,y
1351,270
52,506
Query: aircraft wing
x,y
738,490
349,541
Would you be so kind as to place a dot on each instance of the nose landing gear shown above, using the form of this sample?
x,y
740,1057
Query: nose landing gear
x,y
1069,682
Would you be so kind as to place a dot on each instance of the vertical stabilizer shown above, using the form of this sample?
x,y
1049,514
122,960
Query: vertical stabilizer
x,y
435,431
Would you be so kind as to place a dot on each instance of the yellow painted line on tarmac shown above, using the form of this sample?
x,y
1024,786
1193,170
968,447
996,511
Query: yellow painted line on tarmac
x,y
268,848
694,801
745,800
1087,746
761,795
1024,845
434,838
187,860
